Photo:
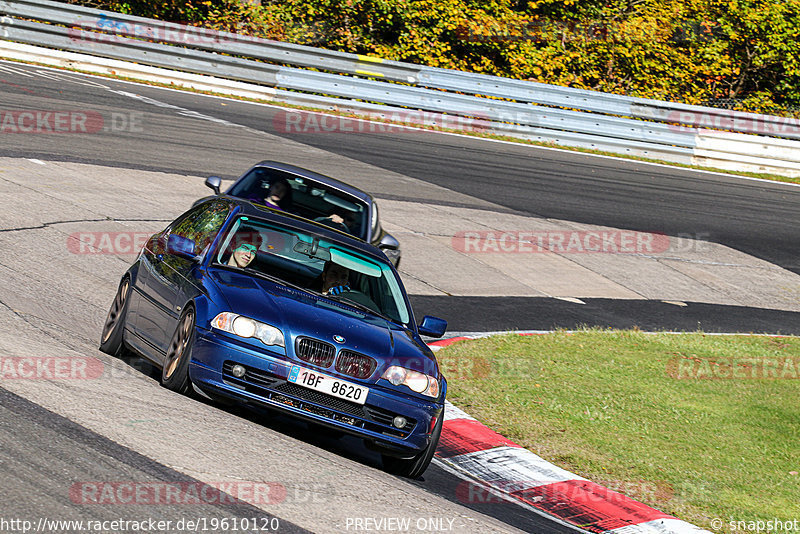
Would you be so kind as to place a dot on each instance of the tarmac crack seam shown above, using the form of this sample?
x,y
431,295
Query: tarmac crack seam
x,y
46,225
40,329
420,280
705,284
60,201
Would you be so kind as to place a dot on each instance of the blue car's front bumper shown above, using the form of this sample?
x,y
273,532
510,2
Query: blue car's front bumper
x,y
264,384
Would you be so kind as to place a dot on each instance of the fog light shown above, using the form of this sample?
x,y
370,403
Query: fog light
x,y
238,371
399,421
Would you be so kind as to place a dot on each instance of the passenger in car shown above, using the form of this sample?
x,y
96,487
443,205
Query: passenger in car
x,y
279,195
242,256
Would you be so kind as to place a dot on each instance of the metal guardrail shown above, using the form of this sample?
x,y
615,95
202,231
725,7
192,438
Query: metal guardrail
x,y
159,55
504,115
89,20
445,93
85,21
607,103
483,109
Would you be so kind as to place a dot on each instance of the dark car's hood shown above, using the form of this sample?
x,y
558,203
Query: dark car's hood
x,y
298,313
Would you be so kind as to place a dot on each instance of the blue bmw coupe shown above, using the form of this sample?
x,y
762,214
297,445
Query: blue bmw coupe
x,y
237,301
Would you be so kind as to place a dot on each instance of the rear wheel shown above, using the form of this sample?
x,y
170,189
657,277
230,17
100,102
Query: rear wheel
x,y
175,373
415,466
111,341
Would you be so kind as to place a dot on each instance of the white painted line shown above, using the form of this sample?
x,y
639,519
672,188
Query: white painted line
x,y
535,147
502,495
37,161
21,72
452,412
506,466
573,300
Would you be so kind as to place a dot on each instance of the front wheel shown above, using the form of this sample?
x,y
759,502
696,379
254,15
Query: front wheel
x,y
175,373
415,466
111,341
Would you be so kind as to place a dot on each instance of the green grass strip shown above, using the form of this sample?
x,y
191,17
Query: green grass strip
x,y
699,426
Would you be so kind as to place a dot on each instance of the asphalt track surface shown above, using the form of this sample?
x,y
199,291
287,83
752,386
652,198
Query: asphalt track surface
x,y
756,217
121,427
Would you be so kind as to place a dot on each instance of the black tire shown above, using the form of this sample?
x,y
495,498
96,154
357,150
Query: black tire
x,y
111,340
415,466
175,371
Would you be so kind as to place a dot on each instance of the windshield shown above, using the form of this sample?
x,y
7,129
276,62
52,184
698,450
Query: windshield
x,y
304,260
305,197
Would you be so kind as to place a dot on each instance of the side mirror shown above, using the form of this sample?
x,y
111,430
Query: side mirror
x,y
432,326
388,241
183,247
214,182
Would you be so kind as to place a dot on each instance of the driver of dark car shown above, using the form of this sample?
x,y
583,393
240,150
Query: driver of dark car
x,y
341,219
334,279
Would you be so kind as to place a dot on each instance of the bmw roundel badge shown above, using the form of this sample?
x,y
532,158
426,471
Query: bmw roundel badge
x,y
339,339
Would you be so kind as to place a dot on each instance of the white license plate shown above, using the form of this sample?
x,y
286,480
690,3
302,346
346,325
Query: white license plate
x,y
328,384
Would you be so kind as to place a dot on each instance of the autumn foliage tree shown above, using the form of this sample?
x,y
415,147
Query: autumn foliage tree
x,y
691,51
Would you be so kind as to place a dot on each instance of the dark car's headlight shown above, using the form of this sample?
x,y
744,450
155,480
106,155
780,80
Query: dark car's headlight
x,y
414,380
242,326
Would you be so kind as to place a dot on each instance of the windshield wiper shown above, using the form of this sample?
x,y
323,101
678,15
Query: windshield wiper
x,y
273,278
360,306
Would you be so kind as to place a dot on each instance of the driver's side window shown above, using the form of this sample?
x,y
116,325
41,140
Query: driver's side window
x,y
202,224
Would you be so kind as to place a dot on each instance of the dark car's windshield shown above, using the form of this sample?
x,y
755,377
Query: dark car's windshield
x,y
305,260
307,198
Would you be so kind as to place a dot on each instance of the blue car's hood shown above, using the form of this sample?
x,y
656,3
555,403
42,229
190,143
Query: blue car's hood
x,y
298,313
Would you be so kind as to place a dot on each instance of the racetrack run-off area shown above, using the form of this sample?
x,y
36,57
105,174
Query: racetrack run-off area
x,y
675,247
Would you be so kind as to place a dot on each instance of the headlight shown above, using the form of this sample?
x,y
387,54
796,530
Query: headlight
x,y
414,380
246,327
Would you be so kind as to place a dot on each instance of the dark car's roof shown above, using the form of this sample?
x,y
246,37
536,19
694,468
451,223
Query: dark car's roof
x,y
303,224
342,186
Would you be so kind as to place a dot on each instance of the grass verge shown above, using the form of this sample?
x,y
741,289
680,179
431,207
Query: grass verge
x,y
698,426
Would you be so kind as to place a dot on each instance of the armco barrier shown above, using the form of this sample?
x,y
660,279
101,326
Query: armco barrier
x,y
99,65
84,21
607,103
87,63
734,151
200,51
87,19
551,124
